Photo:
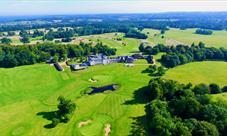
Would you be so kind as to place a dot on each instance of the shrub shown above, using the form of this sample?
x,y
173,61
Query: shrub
x,y
214,89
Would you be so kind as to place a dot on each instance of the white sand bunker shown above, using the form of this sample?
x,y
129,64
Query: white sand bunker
x,y
83,123
92,80
107,129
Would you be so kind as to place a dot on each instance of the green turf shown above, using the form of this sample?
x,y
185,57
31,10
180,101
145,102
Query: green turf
x,y
200,72
30,90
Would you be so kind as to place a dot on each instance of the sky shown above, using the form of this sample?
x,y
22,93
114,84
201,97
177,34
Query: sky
x,y
60,7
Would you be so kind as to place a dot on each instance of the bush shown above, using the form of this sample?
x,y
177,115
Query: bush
x,y
214,89
224,89
201,89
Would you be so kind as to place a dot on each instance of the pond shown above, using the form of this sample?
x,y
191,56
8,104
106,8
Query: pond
x,y
102,89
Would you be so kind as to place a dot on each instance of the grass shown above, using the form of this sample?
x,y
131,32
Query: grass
x,y
200,72
171,37
28,90
177,36
217,39
130,47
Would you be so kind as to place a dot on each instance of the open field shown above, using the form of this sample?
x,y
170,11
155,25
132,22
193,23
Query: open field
x,y
171,37
200,72
125,46
29,94
177,36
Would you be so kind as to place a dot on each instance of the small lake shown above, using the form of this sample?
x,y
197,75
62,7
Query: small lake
x,y
102,89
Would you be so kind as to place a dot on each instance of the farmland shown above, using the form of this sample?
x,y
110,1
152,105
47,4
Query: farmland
x,y
188,36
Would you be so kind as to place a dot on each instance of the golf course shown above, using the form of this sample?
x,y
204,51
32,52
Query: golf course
x,y
29,93
32,92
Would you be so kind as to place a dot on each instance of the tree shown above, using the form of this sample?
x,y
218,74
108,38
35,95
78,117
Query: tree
x,y
224,89
11,33
6,41
201,89
204,128
65,108
186,107
214,88
203,31
25,39
141,47
161,71
162,31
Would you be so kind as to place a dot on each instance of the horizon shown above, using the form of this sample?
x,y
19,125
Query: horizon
x,y
83,7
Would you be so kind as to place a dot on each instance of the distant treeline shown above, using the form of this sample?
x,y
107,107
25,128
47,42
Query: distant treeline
x,y
90,30
11,56
182,54
213,21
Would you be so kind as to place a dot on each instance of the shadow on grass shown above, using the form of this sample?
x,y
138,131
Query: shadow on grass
x,y
140,96
140,124
48,116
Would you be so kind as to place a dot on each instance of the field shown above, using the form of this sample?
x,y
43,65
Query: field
x,y
200,72
171,37
29,95
177,36
125,46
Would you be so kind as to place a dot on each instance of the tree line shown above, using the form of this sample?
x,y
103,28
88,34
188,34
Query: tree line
x,y
204,31
177,109
182,54
11,56
213,21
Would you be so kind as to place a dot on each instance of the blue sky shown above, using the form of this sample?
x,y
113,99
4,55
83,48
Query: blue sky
x,y
52,7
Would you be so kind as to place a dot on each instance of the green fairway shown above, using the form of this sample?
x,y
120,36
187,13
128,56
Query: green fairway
x,y
200,72
188,36
29,95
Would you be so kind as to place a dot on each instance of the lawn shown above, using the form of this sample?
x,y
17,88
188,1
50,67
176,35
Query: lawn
x,y
29,95
200,72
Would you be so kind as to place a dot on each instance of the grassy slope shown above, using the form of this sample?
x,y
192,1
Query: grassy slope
x,y
217,39
200,72
28,90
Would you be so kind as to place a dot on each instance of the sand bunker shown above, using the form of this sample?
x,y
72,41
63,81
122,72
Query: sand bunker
x,y
107,129
83,123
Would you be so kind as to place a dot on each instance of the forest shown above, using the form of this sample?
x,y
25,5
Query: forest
x,y
177,109
182,54
11,56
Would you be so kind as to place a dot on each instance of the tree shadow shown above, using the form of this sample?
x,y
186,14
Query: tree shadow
x,y
48,116
134,51
140,96
140,124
